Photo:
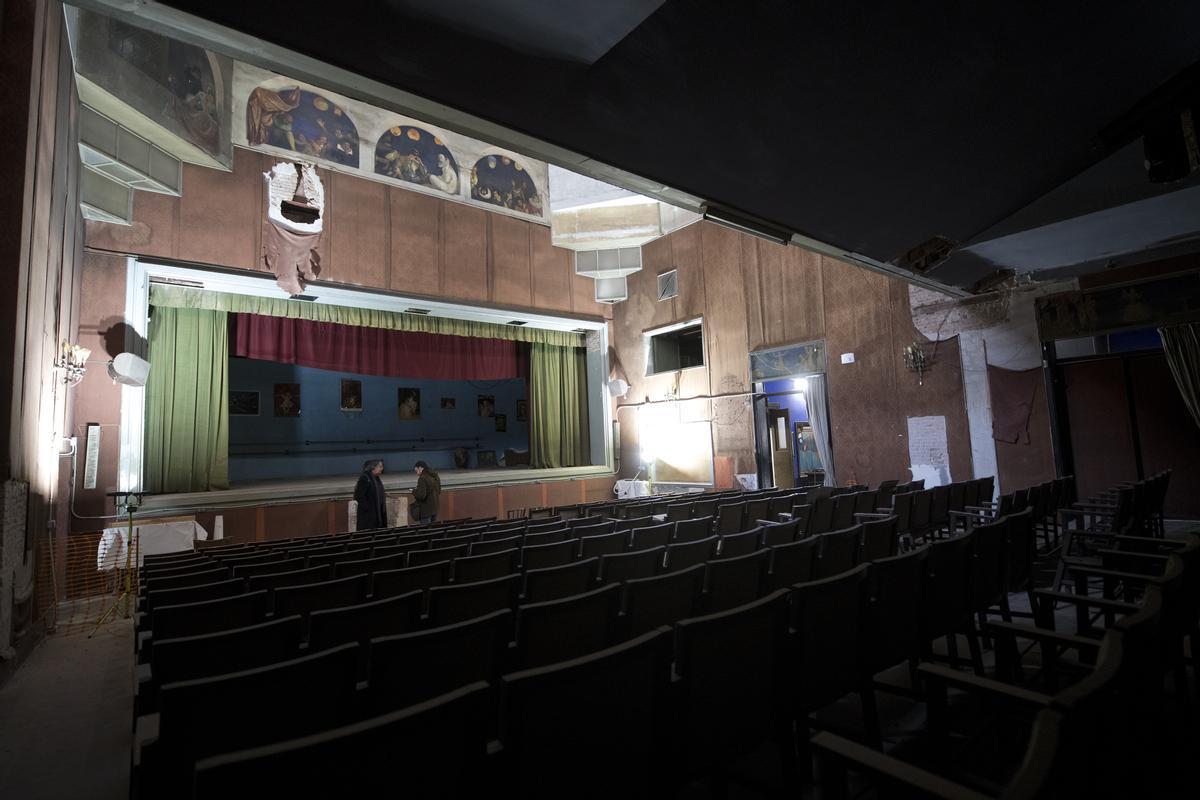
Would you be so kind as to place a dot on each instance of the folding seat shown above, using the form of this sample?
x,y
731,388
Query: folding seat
x,y
318,550
780,504
721,714
187,578
362,622
296,577
838,551
792,563
391,582
730,582
945,595
821,516
349,554
204,655
414,667
989,545
546,537
192,594
920,520
865,502
457,541
369,566
418,558
555,583
756,509
893,632
269,567
1020,552
309,597
251,556
802,515
203,717
639,511
563,629
678,511
593,530
628,566
460,601
207,616
446,736
773,533
729,517
486,546
169,566
469,569
607,544
594,726
687,554
548,525
844,507
572,524
939,510
739,544
644,538
548,555
648,603
878,538
704,508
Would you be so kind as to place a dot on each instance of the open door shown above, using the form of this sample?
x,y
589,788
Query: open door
x,y
779,433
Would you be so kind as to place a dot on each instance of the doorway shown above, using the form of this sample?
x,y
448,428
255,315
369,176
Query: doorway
x,y
786,443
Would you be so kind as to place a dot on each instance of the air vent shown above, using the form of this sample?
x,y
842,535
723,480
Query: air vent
x,y
308,297
927,255
178,282
125,157
668,285
616,262
104,200
579,330
422,311
517,322
611,290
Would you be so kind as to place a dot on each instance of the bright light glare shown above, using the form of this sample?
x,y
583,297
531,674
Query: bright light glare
x,y
800,384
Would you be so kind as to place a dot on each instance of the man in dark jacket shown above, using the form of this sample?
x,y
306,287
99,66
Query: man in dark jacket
x,y
429,489
371,497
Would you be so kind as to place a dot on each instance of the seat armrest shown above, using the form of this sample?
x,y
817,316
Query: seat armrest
x,y
145,646
1043,636
1087,601
863,759
967,682
145,691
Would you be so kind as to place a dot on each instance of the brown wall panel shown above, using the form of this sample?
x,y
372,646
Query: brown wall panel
x,y
153,232
239,524
770,287
295,519
552,269
693,263
220,213
476,503
583,297
358,233
1168,436
657,256
464,252
511,262
415,240
1020,464
521,495
752,281
804,305
563,493
1101,436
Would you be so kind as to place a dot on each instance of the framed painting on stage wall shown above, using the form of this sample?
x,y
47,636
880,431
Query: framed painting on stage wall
x,y
287,399
522,411
351,395
487,405
448,403
243,404
501,423
410,403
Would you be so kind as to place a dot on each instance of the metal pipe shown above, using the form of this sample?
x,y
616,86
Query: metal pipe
x,y
723,396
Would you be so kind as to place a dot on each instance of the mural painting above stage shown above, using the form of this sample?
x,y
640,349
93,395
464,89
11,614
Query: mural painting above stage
x,y
287,399
285,117
502,181
417,156
410,403
301,121
351,395
486,405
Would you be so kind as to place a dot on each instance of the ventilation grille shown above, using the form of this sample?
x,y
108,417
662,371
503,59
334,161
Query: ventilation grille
x,y
517,322
668,285
421,311
309,297
123,156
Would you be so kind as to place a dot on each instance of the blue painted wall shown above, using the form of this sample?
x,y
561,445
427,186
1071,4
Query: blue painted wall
x,y
321,419
797,405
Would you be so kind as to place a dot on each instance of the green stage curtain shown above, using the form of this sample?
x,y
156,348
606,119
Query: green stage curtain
x,y
1181,344
162,295
187,401
558,421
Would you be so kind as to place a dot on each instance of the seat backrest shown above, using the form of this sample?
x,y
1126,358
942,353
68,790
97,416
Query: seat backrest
x,y
878,539
775,533
593,530
419,558
542,527
267,567
971,493
756,509
686,554
827,618
648,603
844,508
469,569
392,582
485,547
603,718
895,631
555,583
368,566
986,489
691,530
802,514
955,494
939,506
627,566
866,502
606,544
244,709
821,517
296,577
461,601
947,582
208,654
364,621
446,736
1020,551
195,593
678,511
413,667
704,508
349,554
546,537
188,577
725,713
730,582
838,551
919,521
310,597
792,563
989,544
548,555
729,517
645,537
207,616
739,544
902,506
563,629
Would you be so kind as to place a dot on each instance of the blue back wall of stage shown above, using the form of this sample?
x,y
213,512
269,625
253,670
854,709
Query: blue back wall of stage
x,y
321,419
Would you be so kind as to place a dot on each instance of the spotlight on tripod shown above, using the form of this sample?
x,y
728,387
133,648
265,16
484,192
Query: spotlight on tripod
x,y
129,502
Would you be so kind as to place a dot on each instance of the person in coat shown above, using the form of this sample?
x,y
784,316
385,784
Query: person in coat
x,y
371,497
429,489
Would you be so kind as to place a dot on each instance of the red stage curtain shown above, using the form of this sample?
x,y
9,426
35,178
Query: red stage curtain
x,y
377,351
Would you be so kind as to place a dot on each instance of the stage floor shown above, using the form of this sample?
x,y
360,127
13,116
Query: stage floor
x,y
341,487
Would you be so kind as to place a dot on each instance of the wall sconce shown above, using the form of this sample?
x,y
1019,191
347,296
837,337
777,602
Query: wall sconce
x,y
72,360
914,359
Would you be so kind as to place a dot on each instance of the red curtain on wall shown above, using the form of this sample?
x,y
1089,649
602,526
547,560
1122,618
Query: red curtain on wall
x,y
376,351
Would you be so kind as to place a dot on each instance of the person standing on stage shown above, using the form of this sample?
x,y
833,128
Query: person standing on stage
x,y
371,497
429,489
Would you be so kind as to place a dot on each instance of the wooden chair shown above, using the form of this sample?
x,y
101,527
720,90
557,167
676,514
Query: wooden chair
x,y
692,530
688,554
735,581
644,538
792,563
837,551
647,603
555,583
622,567
463,601
738,544
296,577
606,544
564,629
360,623
483,567
309,597
393,582
548,555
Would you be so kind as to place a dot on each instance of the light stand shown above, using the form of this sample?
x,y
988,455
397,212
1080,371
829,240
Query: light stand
x,y
131,501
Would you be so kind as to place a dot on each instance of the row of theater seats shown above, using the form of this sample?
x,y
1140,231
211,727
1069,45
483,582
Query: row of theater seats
x,y
742,674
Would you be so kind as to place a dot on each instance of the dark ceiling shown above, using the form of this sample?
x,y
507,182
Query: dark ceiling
x,y
870,127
